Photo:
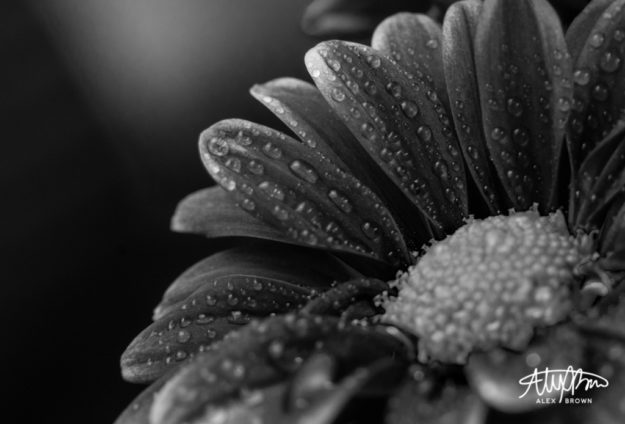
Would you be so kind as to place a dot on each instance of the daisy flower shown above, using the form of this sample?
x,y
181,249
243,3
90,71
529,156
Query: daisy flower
x,y
449,219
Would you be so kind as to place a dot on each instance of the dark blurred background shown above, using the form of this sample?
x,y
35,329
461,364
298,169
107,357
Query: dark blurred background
x,y
102,104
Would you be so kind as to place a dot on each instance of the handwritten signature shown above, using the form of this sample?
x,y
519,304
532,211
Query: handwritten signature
x,y
562,380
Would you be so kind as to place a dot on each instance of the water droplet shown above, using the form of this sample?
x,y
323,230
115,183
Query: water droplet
x,y
272,151
334,64
424,133
272,190
204,319
371,88
394,89
514,107
609,62
280,213
597,39
234,164
600,92
338,94
248,204
409,108
367,130
441,169
237,317
619,35
340,201
373,61
370,230
218,146
183,336
520,136
432,44
497,134
304,171
581,77
564,104
181,355
255,167
211,300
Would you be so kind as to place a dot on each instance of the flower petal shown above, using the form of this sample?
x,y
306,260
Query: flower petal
x,y
525,90
299,191
495,375
262,354
612,239
459,30
413,41
401,123
601,178
205,317
303,109
598,38
288,264
138,412
212,213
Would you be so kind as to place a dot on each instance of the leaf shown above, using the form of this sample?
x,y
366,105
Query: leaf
x,y
300,192
291,265
413,42
385,108
525,85
459,29
597,38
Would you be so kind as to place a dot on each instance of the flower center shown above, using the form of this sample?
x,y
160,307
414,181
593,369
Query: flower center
x,y
489,284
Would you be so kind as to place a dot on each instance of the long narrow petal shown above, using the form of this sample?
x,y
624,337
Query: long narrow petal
x,y
459,30
299,191
601,178
612,238
525,90
413,41
291,264
599,39
400,122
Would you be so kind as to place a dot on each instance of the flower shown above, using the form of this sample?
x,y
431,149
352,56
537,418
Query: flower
x,y
452,219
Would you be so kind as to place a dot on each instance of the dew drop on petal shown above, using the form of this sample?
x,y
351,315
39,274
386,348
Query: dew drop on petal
x,y
514,107
338,94
600,92
272,151
272,190
609,62
218,146
183,336
424,133
340,201
255,167
597,39
409,108
304,171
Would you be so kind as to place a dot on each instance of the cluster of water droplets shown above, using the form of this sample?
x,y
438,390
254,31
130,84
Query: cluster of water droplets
x,y
274,179
399,119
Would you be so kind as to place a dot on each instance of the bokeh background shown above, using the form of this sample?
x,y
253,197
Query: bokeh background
x,y
101,106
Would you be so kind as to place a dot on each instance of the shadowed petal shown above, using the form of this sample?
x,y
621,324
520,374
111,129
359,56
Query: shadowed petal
x,y
299,191
205,317
599,76
262,354
138,412
401,123
289,264
425,400
212,213
612,239
326,18
525,87
601,178
413,41
459,30
495,375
